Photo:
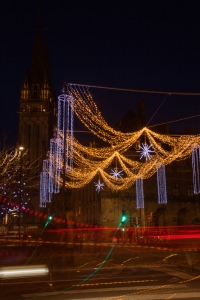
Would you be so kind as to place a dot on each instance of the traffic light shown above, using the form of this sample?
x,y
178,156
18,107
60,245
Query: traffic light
x,y
138,221
155,219
124,217
50,217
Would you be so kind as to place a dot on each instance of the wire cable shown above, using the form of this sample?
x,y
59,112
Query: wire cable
x,y
137,91
157,110
175,121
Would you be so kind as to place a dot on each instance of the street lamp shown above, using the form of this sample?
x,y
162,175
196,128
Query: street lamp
x,y
20,185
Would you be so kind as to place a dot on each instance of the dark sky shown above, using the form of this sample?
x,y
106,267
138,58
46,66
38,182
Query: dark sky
x,y
148,45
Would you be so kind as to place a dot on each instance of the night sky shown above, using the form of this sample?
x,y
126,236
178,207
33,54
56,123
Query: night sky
x,y
147,45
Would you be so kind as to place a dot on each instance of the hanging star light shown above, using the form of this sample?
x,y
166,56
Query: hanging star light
x,y
99,186
145,151
116,174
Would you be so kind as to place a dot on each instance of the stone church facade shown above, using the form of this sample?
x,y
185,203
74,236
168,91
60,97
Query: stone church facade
x,y
37,113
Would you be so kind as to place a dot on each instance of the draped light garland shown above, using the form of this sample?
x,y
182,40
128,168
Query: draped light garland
x,y
87,161
84,163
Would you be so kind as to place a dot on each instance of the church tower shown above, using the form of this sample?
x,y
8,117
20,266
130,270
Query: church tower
x,y
37,114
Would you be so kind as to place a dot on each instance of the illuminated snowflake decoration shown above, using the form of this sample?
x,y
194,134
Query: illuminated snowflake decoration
x,y
99,186
116,174
145,151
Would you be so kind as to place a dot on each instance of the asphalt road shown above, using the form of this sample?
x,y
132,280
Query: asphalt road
x,y
105,272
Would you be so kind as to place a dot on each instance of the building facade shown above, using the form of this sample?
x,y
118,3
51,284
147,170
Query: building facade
x,y
37,113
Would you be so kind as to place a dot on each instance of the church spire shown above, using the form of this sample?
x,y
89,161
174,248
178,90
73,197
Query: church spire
x,y
46,62
37,64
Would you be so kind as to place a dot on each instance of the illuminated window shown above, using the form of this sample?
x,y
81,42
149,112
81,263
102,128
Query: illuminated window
x,y
45,94
25,94
175,189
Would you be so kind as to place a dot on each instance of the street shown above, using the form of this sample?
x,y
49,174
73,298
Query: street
x,y
105,271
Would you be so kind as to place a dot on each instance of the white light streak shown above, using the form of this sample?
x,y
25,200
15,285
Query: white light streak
x,y
195,167
45,195
139,193
25,271
161,183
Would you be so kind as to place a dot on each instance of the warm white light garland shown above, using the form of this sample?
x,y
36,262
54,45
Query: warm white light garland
x,y
84,163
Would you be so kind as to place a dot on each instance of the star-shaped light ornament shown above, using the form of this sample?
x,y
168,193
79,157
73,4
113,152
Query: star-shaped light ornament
x,y
145,151
99,186
116,173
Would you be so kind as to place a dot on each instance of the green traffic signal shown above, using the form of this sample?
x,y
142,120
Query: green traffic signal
x,y
50,218
123,218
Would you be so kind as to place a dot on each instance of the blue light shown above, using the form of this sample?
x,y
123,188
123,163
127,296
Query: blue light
x,y
195,168
139,193
161,183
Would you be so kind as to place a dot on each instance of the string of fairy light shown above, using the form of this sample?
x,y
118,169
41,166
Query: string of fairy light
x,y
82,164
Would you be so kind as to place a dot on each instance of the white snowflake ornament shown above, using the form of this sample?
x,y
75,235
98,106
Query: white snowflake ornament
x,y
99,186
145,151
116,174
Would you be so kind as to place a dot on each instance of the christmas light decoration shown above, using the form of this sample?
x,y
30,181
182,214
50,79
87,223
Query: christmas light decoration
x,y
65,130
45,195
161,183
145,151
116,173
99,186
61,149
84,163
195,167
54,169
139,193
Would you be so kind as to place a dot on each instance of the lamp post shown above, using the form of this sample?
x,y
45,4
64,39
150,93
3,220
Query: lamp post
x,y
20,186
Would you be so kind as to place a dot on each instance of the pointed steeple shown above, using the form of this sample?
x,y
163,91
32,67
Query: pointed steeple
x,y
46,62
38,54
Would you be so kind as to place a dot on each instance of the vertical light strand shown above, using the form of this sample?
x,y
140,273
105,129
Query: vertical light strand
x,y
65,128
72,132
139,193
51,169
195,168
67,135
54,166
161,184
45,195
